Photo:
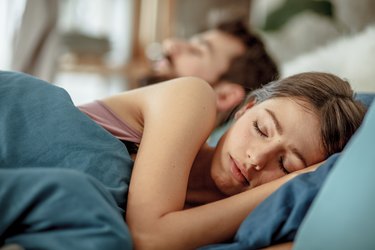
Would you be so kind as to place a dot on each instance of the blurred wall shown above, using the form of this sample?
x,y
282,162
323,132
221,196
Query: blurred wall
x,y
307,28
195,16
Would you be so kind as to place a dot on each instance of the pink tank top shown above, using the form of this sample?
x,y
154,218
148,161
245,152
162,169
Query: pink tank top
x,y
105,117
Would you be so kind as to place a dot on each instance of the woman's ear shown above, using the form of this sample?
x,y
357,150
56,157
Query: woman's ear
x,y
243,109
228,95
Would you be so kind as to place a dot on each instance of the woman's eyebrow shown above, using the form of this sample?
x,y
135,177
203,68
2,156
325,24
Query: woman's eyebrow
x,y
280,131
276,121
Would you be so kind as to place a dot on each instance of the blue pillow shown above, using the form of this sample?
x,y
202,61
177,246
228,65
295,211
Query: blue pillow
x,y
366,98
343,214
41,127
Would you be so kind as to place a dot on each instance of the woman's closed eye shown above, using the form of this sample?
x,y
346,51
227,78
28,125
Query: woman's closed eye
x,y
281,165
258,130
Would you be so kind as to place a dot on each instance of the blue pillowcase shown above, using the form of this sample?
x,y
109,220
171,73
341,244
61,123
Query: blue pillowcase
x,y
365,98
343,215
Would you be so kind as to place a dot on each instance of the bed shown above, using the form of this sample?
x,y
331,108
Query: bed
x,y
48,145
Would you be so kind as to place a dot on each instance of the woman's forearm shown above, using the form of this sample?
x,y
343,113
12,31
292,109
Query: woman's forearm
x,y
282,246
211,223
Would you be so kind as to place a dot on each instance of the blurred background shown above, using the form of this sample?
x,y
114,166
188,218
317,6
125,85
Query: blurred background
x,y
94,48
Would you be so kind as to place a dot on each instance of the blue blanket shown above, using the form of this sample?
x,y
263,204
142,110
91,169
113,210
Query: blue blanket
x,y
63,178
41,127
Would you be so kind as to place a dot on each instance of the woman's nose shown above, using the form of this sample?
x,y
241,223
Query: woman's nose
x,y
259,158
254,162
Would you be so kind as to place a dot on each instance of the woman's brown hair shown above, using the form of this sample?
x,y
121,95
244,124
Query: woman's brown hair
x,y
332,100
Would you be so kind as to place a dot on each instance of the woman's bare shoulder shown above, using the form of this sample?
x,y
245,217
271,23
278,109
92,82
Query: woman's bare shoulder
x,y
193,89
186,95
190,87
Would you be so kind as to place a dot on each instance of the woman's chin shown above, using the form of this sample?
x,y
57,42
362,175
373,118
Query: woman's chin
x,y
227,186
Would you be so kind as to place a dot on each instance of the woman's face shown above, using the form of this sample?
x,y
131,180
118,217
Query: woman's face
x,y
267,141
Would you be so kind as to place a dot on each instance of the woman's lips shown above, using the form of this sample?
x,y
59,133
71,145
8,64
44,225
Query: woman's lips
x,y
237,173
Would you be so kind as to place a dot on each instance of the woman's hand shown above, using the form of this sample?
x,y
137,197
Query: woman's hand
x,y
280,181
311,168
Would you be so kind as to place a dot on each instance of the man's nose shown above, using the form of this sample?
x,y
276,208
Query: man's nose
x,y
174,46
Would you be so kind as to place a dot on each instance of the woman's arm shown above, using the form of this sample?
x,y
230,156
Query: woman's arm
x,y
282,246
211,223
178,116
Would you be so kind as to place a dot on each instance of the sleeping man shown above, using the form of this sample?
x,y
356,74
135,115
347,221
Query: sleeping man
x,y
230,57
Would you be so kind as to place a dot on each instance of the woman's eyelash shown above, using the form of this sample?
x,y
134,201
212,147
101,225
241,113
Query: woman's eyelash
x,y
257,129
281,166
281,159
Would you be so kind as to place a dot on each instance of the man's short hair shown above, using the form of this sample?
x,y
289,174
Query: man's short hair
x,y
255,67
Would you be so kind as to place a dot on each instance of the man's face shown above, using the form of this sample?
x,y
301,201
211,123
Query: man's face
x,y
207,55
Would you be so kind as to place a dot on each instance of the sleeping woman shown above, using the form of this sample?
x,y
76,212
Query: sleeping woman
x,y
203,194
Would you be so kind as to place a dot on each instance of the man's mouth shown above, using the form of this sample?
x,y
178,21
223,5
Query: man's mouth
x,y
163,65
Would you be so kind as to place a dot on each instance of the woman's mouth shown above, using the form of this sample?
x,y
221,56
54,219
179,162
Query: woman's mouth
x,y
237,173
